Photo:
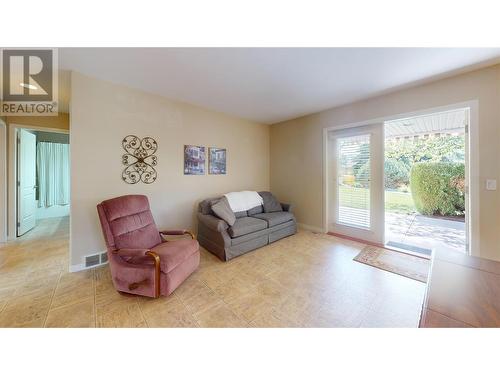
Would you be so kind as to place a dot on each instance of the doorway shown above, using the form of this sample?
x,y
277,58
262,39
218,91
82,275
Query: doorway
x,y
370,197
425,169
42,178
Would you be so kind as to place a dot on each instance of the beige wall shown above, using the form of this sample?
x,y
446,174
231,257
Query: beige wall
x,y
297,151
102,114
61,121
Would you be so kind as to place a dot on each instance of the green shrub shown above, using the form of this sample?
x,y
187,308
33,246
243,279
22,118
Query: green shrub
x,y
437,188
363,175
397,173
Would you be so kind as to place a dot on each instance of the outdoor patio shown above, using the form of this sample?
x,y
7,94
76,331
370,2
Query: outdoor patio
x,y
415,230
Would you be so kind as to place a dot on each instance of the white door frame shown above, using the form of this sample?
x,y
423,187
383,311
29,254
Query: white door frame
x,y
3,181
375,233
12,172
473,180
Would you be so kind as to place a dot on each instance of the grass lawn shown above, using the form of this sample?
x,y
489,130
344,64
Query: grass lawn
x,y
395,201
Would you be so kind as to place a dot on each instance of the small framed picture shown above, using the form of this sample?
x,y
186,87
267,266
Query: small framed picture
x,y
216,160
194,160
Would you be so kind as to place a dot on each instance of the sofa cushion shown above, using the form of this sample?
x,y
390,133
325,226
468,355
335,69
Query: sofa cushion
x,y
245,225
240,214
205,206
249,236
256,210
271,204
222,210
212,222
275,218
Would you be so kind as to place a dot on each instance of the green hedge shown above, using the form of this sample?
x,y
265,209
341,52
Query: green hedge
x,y
396,173
437,188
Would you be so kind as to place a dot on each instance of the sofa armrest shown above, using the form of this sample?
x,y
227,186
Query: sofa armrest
x,y
287,207
212,223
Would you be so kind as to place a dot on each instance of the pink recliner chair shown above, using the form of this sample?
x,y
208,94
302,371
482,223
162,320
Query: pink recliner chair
x,y
141,260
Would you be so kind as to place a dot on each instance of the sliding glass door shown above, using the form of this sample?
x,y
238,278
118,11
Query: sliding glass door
x,y
356,193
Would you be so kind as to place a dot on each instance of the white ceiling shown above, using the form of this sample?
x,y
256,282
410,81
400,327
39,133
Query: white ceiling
x,y
269,85
452,122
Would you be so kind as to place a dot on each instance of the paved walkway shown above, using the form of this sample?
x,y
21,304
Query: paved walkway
x,y
415,229
426,232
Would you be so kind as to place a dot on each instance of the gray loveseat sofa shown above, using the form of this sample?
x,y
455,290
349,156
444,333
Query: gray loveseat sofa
x,y
252,229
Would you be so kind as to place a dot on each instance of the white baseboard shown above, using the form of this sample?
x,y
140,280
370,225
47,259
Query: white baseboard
x,y
52,211
310,228
76,267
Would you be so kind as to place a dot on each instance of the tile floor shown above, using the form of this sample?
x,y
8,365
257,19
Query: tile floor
x,y
307,280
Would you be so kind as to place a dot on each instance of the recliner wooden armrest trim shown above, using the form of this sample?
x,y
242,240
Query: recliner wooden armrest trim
x,y
177,233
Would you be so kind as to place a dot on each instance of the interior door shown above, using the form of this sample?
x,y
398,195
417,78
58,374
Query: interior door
x,y
356,196
26,183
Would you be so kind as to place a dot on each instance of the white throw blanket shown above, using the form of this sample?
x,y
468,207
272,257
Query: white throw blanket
x,y
243,200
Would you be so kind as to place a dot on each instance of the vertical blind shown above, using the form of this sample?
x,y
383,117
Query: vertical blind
x,y
53,174
354,180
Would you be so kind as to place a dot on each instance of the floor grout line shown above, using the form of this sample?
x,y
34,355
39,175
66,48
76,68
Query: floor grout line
x,y
225,303
69,304
187,308
191,313
94,295
142,314
52,299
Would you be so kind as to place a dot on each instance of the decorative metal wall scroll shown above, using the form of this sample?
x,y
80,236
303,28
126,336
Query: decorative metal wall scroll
x,y
139,159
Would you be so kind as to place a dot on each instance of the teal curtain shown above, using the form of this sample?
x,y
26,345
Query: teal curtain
x,y
53,174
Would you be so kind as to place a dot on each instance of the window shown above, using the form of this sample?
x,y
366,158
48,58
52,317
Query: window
x,y
354,181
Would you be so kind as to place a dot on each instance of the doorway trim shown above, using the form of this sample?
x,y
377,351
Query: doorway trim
x,y
472,172
3,181
375,232
12,172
